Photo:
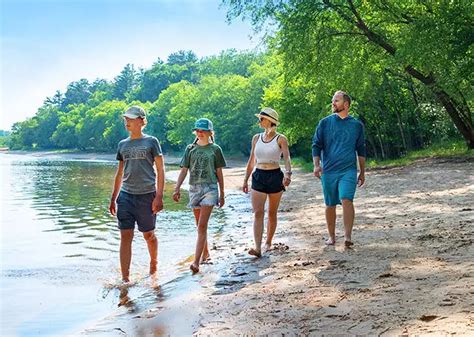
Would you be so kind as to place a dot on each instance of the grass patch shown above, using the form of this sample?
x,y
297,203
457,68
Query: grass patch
x,y
306,166
441,150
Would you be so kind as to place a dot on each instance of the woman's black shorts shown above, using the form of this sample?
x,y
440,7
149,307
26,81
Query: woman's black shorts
x,y
268,181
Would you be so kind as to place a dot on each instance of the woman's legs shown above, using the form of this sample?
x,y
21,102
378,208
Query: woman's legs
x,y
204,216
273,203
258,205
205,252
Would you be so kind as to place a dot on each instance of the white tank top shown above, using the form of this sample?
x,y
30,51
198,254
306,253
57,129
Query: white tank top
x,y
267,152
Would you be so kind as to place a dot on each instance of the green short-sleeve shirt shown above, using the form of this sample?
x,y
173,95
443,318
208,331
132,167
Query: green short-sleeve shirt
x,y
202,162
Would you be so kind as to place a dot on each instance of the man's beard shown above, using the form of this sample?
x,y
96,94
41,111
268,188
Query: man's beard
x,y
336,110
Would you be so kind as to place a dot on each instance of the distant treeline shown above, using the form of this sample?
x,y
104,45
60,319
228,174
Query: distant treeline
x,y
410,86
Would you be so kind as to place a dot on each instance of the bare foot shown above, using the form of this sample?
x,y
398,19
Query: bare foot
x,y
348,243
330,242
125,284
194,268
206,260
123,299
255,252
205,257
268,247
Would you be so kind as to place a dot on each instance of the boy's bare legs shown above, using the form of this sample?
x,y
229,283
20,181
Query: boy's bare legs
x,y
273,204
204,216
348,215
258,205
126,238
152,243
205,252
331,224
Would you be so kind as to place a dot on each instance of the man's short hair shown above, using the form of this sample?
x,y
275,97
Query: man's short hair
x,y
345,96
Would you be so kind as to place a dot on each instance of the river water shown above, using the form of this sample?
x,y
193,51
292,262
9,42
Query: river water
x,y
59,245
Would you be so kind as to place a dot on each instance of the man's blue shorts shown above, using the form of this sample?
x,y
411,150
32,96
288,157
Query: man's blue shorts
x,y
136,208
338,186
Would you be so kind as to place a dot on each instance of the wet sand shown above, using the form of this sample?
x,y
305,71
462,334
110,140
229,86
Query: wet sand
x,y
410,271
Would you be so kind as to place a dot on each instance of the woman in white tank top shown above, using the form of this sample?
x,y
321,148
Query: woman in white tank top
x,y
267,179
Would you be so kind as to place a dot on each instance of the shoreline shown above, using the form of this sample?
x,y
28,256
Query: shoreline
x,y
173,307
409,273
170,159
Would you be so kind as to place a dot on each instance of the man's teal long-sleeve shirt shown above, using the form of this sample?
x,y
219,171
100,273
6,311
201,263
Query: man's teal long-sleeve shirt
x,y
336,142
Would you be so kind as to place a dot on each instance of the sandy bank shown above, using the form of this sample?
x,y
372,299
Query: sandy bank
x,y
410,272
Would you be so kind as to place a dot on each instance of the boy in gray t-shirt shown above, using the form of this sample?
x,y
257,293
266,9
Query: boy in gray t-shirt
x,y
138,189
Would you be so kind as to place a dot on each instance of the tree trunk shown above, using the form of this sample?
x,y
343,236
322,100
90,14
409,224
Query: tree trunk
x,y
373,146
400,127
397,113
459,112
418,136
382,151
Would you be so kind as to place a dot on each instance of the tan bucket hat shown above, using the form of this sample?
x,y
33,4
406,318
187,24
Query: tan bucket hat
x,y
269,114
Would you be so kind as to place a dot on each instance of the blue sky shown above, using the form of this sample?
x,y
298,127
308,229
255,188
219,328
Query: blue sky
x,y
46,44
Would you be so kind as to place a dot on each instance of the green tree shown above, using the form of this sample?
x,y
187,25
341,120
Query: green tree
x,y
229,101
24,135
180,117
431,42
47,121
65,135
182,57
55,100
229,61
158,125
77,92
161,76
102,126
125,82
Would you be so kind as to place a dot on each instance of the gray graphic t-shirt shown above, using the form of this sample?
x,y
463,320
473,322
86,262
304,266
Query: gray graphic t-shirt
x,y
202,162
138,156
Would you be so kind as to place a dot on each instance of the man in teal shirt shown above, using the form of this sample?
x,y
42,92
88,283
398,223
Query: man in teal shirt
x,y
337,140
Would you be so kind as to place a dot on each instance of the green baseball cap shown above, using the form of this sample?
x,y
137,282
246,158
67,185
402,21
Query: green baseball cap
x,y
203,124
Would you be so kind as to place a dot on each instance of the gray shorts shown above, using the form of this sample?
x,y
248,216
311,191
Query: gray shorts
x,y
203,195
136,208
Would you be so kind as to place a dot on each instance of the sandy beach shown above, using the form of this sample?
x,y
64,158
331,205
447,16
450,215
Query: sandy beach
x,y
410,272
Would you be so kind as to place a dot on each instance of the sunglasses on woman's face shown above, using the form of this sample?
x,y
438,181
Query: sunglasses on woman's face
x,y
261,119
200,131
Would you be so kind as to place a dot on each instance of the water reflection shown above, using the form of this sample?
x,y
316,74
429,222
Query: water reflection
x,y
74,197
59,245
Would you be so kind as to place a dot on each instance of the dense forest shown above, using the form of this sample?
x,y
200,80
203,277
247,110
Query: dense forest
x,y
408,66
